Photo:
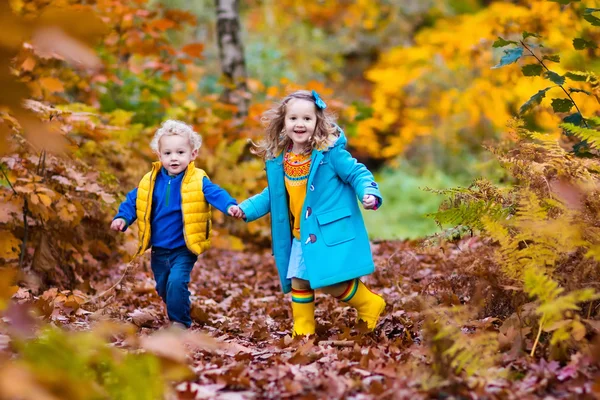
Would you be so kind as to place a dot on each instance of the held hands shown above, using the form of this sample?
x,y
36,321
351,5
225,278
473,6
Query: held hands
x,y
369,202
118,224
236,212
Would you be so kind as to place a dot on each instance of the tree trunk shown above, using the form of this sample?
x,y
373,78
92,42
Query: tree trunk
x,y
231,53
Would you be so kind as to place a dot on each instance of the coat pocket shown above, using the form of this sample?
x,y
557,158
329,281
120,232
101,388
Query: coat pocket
x,y
336,226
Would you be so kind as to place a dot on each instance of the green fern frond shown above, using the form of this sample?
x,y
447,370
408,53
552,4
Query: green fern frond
x,y
555,308
591,136
529,209
593,121
594,252
473,353
538,284
470,214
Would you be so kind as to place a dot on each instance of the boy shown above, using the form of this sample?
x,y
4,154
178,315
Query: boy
x,y
172,205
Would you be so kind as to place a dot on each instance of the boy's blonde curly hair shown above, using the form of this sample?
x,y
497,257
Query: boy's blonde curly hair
x,y
172,127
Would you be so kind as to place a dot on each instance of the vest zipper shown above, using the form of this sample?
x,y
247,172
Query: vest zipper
x,y
185,238
168,191
147,220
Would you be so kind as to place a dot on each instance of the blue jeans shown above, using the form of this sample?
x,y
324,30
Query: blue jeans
x,y
172,269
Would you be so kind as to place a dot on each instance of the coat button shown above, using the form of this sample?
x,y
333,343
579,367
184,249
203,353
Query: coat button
x,y
308,212
321,162
312,188
312,238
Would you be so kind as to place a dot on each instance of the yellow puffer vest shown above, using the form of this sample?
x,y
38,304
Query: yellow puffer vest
x,y
196,211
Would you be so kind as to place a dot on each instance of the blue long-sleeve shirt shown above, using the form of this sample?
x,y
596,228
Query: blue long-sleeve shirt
x,y
166,216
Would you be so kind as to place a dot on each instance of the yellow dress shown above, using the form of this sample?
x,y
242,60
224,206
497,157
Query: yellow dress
x,y
296,168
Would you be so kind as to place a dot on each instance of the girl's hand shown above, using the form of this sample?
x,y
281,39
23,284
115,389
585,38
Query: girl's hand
x,y
369,202
236,212
118,224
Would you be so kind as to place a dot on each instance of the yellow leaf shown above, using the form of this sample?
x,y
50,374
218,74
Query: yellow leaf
x,y
9,246
45,199
52,85
66,214
4,133
7,285
578,331
28,64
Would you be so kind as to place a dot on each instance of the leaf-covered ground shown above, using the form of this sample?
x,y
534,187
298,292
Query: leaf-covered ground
x,y
237,300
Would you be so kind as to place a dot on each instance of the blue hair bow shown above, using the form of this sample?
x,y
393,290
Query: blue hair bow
x,y
320,103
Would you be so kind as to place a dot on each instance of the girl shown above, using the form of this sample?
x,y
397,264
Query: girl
x,y
319,237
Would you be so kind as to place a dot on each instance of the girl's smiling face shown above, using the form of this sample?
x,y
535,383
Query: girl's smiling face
x,y
175,153
300,123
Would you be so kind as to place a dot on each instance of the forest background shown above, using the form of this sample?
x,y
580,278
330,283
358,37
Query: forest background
x,y
481,114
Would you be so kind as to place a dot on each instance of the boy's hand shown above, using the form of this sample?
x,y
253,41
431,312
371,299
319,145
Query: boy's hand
x,y
369,202
118,224
236,212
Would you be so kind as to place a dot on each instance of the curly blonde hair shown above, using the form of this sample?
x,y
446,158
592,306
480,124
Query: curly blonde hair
x,y
171,128
274,142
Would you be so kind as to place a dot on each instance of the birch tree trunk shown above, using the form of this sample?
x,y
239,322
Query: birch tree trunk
x,y
231,53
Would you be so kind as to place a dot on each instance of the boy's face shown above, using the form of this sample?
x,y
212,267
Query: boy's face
x,y
175,153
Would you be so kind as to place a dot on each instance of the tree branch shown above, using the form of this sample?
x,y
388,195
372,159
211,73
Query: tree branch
x,y
561,86
8,180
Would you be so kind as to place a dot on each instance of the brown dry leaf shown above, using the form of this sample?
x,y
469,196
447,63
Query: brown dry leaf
x,y
107,198
595,325
568,192
142,318
53,42
14,29
232,348
43,258
10,208
202,341
202,392
46,135
22,323
82,24
16,382
168,344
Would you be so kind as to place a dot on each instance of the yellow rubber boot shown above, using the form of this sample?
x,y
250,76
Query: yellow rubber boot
x,y
369,305
304,318
303,310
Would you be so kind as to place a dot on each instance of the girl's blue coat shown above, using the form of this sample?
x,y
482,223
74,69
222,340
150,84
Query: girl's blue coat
x,y
334,240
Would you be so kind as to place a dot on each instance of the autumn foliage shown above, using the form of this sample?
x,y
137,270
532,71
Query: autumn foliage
x,y
501,304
